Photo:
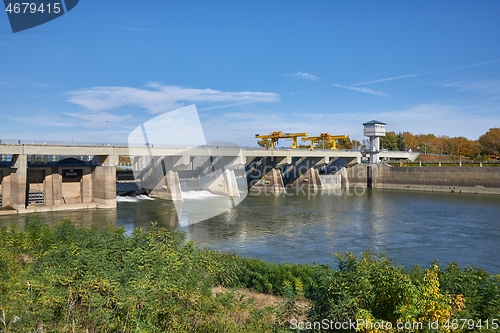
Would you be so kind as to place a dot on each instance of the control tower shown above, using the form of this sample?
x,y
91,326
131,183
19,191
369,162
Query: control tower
x,y
374,129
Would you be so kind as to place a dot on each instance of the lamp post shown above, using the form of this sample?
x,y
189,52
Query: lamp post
x,y
238,131
107,123
17,129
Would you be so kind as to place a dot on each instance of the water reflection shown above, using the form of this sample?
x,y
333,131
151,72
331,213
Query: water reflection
x,y
141,213
411,227
81,218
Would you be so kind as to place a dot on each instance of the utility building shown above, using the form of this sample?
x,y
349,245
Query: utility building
x,y
374,129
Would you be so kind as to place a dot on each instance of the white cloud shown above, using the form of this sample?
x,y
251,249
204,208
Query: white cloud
x,y
482,86
41,85
474,65
457,119
442,119
387,79
302,75
406,76
223,106
363,90
160,98
452,120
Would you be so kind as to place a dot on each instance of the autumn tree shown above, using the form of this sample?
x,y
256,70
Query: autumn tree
x,y
476,148
443,145
426,143
344,143
410,140
355,144
490,141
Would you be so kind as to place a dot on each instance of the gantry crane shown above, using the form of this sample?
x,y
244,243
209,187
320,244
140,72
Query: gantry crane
x,y
325,138
275,136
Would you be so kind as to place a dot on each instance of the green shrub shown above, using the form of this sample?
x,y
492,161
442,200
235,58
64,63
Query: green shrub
x,y
64,279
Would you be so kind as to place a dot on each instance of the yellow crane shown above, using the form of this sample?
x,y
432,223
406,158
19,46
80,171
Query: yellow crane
x,y
275,136
325,138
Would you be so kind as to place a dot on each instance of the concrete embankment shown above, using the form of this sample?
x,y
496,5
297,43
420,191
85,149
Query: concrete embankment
x,y
485,180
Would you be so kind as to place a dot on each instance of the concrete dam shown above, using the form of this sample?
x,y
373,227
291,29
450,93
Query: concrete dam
x,y
42,177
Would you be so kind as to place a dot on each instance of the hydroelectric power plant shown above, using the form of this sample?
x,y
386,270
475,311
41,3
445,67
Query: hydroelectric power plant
x,y
294,197
44,177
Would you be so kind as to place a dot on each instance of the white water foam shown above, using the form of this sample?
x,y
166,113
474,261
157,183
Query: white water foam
x,y
196,195
132,198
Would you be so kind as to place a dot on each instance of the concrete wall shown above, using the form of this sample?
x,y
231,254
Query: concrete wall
x,y
104,185
90,187
330,181
36,179
15,196
440,179
71,190
257,168
53,184
355,176
271,182
168,188
310,180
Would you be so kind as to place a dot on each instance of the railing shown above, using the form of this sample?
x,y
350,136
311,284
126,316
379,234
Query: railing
x,y
60,143
48,159
446,163
106,144
122,144
36,197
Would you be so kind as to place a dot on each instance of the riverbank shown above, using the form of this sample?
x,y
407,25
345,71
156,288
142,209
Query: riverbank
x,y
33,209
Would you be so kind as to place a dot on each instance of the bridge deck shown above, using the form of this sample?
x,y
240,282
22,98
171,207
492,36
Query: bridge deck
x,y
104,150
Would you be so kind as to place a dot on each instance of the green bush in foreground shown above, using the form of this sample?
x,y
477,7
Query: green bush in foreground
x,y
64,279
69,279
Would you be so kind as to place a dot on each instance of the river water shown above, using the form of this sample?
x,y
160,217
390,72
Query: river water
x,y
410,227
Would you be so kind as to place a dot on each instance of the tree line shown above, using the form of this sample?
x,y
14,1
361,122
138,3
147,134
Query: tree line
x,y
487,145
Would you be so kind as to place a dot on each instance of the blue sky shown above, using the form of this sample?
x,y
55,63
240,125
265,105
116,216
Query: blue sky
x,y
104,68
